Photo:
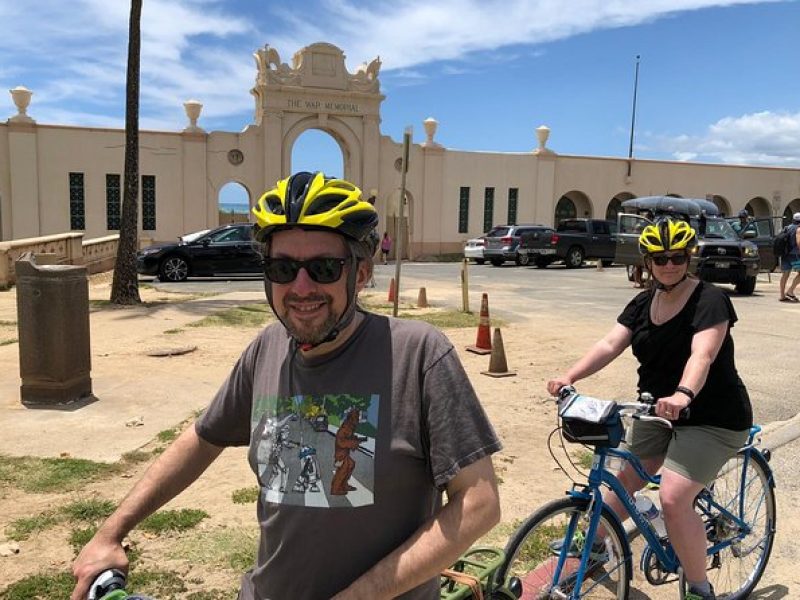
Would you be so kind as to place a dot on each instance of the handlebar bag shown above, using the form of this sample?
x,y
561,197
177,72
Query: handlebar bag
x,y
591,421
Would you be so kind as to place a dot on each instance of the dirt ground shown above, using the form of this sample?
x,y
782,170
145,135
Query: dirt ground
x,y
518,407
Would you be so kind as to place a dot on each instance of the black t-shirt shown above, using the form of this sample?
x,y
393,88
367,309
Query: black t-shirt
x,y
663,350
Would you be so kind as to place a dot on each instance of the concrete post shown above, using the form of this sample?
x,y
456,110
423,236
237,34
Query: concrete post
x,y
53,324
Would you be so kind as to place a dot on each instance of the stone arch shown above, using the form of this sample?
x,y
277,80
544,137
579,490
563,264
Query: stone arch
x,y
791,208
349,142
240,214
572,204
758,207
614,206
722,203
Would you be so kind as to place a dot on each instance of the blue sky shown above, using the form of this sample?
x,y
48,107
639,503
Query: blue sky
x,y
719,80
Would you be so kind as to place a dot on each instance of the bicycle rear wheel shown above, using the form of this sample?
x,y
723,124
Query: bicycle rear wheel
x,y
532,554
749,494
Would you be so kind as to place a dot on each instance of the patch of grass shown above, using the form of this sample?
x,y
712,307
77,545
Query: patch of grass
x,y
7,323
584,458
52,474
100,303
212,595
161,584
80,537
446,319
40,587
8,342
234,549
173,331
88,511
246,495
250,315
137,456
21,529
173,520
167,435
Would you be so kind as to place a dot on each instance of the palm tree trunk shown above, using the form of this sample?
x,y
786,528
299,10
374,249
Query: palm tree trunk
x,y
125,286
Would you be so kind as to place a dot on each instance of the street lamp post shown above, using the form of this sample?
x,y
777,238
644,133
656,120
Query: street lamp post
x,y
400,212
633,114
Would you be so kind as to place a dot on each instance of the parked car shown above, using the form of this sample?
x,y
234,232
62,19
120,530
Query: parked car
x,y
502,244
573,241
720,256
226,250
473,250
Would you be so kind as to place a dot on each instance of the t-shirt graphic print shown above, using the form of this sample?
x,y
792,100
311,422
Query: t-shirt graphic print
x,y
315,451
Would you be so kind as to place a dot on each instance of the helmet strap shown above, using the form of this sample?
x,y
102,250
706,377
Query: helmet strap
x,y
668,288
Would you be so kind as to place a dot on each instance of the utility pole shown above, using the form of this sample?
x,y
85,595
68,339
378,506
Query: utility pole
x,y
633,114
400,212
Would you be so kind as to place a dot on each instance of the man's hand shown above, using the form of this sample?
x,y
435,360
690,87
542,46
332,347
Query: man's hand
x,y
99,554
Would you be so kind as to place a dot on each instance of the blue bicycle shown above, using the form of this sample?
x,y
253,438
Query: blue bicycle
x,y
557,552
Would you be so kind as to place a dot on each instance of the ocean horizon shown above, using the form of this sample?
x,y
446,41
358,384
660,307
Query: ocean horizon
x,y
235,207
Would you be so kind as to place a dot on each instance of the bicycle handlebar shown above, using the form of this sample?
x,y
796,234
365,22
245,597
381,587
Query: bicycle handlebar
x,y
642,410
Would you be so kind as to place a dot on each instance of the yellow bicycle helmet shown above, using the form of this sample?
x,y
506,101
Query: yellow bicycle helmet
x,y
312,201
667,235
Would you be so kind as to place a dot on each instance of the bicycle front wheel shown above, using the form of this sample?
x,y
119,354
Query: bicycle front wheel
x,y
747,492
532,554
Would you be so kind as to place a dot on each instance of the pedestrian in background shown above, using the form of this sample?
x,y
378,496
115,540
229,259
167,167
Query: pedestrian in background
x,y
791,261
386,246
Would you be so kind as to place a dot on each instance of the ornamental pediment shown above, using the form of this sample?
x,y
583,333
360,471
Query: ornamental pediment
x,y
319,65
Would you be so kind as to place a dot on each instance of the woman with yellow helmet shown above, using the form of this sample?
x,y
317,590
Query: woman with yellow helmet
x,y
679,331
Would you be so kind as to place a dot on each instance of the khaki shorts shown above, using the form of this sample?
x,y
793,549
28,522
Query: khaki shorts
x,y
696,452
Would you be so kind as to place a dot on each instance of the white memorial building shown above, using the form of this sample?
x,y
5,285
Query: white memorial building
x,y
56,179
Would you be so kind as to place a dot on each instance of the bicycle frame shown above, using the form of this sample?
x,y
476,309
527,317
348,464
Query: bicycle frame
x,y
599,475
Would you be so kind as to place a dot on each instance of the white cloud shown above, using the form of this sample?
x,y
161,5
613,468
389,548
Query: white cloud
x,y
771,138
414,32
73,54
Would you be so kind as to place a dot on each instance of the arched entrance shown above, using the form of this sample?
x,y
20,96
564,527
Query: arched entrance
x,y
317,150
572,204
758,207
234,203
793,207
722,204
615,205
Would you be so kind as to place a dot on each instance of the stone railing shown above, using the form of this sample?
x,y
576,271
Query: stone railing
x,y
64,248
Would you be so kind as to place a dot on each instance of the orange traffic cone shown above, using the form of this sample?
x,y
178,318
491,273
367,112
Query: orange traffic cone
x,y
483,345
497,361
422,298
392,291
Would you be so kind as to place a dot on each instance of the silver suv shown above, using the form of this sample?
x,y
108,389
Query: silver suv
x,y
502,243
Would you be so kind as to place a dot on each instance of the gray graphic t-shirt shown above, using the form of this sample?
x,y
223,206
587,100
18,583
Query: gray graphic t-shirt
x,y
351,450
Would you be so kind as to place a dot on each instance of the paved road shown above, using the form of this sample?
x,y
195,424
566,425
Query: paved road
x,y
766,335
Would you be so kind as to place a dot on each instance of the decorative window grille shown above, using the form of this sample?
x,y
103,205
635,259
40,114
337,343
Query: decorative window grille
x,y
77,208
113,201
512,205
148,202
488,208
463,210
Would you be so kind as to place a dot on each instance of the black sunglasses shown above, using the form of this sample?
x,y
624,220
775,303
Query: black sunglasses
x,y
321,270
675,259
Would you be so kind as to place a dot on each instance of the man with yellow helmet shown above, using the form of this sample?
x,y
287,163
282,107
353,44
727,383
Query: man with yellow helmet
x,y
680,333
373,525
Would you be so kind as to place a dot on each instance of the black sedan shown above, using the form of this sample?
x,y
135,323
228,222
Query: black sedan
x,y
227,250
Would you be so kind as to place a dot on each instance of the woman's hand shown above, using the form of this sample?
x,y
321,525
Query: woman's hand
x,y
670,407
554,385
